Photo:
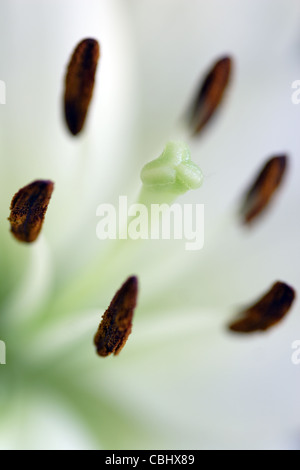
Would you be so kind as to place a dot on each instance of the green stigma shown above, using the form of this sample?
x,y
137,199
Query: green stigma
x,y
170,175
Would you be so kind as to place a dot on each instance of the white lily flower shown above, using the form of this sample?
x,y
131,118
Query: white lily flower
x,y
183,381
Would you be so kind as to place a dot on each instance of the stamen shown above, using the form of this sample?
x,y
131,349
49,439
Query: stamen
x,y
210,94
79,83
268,311
28,208
264,188
116,323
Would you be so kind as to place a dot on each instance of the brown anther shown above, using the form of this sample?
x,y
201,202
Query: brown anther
x,y
116,323
210,94
28,208
264,188
79,83
268,311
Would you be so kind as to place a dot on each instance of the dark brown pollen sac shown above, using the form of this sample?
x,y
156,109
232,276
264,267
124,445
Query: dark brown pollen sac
x,y
116,323
28,208
79,83
210,95
267,311
263,188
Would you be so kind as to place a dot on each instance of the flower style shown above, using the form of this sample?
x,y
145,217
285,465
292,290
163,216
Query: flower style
x,y
183,380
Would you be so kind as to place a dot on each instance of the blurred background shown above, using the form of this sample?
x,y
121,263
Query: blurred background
x,y
182,381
